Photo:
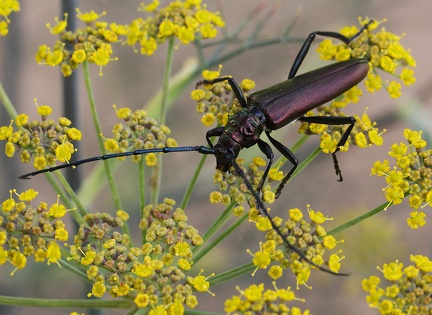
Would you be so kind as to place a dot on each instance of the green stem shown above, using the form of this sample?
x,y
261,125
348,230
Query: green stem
x,y
72,194
247,268
166,81
218,239
7,104
157,171
307,161
78,216
141,170
67,265
357,220
65,303
96,122
192,312
223,218
192,183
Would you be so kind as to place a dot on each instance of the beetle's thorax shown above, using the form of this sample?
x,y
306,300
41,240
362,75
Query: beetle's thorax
x,y
242,130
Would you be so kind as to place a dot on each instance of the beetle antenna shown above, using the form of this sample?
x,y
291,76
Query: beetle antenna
x,y
200,149
265,212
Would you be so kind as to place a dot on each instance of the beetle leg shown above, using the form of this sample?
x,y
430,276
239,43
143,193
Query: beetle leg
x,y
215,132
330,120
234,86
290,156
308,42
266,149
264,212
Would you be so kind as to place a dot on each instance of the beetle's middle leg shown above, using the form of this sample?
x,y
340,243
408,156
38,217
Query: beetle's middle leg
x,y
330,120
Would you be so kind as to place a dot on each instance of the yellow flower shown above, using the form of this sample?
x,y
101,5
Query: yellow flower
x,y
53,252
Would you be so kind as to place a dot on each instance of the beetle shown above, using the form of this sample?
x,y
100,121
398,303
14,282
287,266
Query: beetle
x,y
267,110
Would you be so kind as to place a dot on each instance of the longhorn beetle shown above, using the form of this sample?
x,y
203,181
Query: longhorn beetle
x,y
267,110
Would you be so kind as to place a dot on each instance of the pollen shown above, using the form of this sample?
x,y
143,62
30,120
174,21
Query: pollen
x,y
28,195
151,159
44,110
247,84
74,134
79,56
64,151
57,210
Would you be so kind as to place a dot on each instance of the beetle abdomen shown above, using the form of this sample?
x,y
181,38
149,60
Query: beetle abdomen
x,y
289,100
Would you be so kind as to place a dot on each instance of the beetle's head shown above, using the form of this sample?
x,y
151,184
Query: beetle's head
x,y
225,151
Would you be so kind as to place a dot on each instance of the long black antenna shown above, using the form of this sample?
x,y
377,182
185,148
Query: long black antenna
x,y
200,149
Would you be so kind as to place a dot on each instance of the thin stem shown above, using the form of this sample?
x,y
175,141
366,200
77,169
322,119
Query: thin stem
x,y
96,122
214,228
71,193
7,104
67,265
78,216
141,170
231,274
357,220
307,161
166,81
65,303
218,239
192,183
157,171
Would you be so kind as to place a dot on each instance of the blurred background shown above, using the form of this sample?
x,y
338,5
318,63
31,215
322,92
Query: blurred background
x,y
133,79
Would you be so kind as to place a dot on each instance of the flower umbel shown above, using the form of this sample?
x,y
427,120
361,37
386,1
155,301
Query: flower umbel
x,y
385,53
308,236
254,300
185,20
6,9
30,230
216,102
91,43
408,290
155,272
138,132
410,177
43,141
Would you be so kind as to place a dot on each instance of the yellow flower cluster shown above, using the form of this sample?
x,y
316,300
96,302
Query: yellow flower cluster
x,y
154,273
27,230
138,132
412,175
6,8
92,43
384,52
233,189
215,101
309,236
186,20
409,289
43,141
381,48
254,300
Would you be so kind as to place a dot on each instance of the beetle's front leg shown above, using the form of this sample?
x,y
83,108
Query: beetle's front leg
x,y
290,156
215,132
234,86
266,149
330,120
308,42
